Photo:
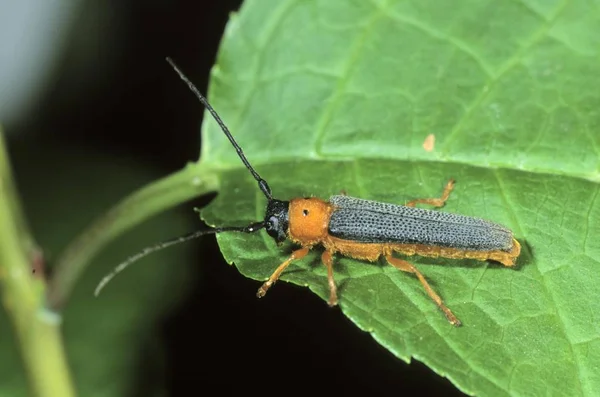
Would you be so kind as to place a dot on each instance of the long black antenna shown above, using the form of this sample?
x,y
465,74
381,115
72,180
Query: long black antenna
x,y
164,244
262,184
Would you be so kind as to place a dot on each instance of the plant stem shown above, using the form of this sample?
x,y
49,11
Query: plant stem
x,y
23,296
190,182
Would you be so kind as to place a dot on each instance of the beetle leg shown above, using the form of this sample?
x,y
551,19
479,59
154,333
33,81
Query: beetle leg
x,y
327,259
298,254
436,202
408,267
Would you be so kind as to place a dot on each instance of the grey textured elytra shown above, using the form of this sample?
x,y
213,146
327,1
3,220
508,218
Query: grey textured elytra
x,y
370,221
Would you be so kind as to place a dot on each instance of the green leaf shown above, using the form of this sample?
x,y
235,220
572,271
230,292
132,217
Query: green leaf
x,y
336,95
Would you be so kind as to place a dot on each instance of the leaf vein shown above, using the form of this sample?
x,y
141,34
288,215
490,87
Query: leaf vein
x,y
549,290
586,231
336,95
456,43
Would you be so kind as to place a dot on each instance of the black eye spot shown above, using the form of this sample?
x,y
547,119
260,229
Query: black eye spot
x,y
305,212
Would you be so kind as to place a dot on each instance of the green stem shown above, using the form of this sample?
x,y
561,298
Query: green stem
x,y
190,182
23,295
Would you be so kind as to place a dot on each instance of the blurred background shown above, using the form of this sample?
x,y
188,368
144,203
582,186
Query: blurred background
x,y
92,112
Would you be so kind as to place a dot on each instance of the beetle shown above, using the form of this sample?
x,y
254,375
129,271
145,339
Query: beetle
x,y
360,229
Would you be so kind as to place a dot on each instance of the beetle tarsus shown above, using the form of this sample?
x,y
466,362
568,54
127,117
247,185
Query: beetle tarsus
x,y
262,291
451,317
333,301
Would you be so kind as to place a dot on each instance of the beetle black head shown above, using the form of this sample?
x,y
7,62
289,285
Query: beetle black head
x,y
277,219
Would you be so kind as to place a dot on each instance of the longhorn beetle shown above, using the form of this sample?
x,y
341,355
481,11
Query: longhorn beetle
x,y
360,229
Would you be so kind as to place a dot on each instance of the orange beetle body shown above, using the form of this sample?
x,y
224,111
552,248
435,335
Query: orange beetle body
x,y
308,221
309,224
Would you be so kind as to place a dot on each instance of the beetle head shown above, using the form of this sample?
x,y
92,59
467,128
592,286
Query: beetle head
x,y
277,219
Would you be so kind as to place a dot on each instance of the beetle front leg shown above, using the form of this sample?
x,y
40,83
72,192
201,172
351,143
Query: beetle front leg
x,y
298,254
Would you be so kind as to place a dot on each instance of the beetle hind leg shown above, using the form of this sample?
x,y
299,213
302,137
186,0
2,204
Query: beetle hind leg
x,y
435,202
327,259
409,268
298,254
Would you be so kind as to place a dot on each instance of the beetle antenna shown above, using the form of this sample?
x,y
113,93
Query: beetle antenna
x,y
262,184
164,244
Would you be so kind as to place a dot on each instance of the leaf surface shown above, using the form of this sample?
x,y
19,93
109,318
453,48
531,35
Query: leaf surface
x,y
327,96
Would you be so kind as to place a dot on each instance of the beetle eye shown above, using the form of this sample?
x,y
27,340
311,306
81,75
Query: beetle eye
x,y
274,223
305,212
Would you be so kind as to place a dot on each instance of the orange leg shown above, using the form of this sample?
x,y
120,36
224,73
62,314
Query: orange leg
x,y
298,254
436,202
408,267
327,259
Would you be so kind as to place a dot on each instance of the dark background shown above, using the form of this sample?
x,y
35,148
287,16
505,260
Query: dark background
x,y
290,342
